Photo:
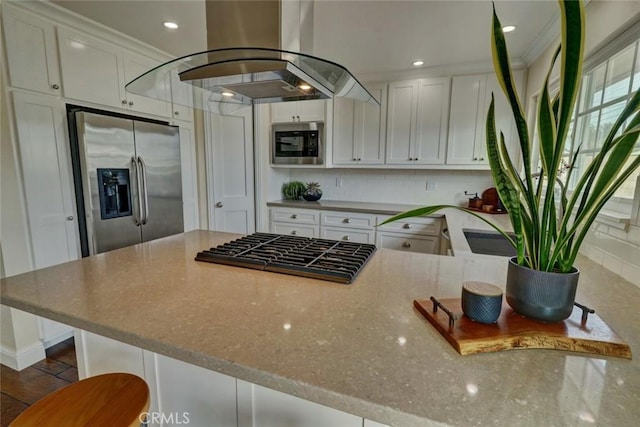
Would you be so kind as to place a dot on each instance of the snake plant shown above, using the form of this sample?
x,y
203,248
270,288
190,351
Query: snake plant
x,y
548,227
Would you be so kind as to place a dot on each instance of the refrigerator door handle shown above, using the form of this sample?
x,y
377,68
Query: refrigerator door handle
x,y
143,170
137,216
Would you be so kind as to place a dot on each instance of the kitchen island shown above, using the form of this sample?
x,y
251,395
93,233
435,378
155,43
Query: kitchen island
x,y
358,348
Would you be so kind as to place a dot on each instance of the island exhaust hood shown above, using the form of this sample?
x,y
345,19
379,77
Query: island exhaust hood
x,y
270,70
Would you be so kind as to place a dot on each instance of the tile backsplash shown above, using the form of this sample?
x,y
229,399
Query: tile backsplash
x,y
397,186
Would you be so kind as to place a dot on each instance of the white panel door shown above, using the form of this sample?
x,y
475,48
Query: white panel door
x,y
432,121
134,66
401,121
284,112
92,69
189,395
189,176
370,127
230,171
31,52
46,170
262,407
467,93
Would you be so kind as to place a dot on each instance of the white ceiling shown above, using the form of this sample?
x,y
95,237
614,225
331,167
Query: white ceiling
x,y
369,37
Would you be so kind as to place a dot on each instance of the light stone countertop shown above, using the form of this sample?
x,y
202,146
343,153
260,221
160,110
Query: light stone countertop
x,y
359,348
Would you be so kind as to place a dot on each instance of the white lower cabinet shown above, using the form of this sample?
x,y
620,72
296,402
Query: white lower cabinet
x,y
295,229
185,394
262,407
357,236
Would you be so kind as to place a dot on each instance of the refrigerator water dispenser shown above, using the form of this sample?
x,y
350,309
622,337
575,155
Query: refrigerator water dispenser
x,y
115,193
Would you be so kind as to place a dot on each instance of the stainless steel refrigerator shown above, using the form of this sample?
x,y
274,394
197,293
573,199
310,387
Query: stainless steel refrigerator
x,y
127,180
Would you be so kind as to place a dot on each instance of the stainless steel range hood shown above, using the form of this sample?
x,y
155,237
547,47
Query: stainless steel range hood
x,y
264,72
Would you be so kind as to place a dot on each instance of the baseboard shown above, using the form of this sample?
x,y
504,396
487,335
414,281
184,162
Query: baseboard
x,y
58,338
23,359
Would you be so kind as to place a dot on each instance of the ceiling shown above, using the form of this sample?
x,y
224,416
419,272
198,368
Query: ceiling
x,y
369,37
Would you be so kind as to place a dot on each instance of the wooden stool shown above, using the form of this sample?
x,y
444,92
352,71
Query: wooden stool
x,y
109,400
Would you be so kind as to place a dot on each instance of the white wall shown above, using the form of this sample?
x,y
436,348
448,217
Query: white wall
x,y
396,186
610,246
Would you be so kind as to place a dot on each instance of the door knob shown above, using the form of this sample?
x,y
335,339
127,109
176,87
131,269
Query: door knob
x,y
70,218
55,87
219,205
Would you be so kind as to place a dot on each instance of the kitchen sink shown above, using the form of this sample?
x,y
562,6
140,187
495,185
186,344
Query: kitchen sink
x,y
489,242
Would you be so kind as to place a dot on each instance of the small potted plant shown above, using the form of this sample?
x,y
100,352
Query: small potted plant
x,y
549,228
293,190
312,192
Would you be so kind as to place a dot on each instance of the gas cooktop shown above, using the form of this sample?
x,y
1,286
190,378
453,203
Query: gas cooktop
x,y
333,260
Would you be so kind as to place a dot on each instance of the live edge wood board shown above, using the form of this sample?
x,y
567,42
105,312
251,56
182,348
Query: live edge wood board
x,y
513,331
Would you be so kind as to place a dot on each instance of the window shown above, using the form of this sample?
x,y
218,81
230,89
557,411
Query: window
x,y
606,88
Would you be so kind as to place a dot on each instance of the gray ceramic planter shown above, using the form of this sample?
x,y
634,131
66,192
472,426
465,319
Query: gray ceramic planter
x,y
541,295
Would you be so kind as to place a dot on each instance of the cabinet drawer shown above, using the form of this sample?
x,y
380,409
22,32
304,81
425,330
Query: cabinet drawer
x,y
357,236
295,216
295,230
403,242
348,219
422,226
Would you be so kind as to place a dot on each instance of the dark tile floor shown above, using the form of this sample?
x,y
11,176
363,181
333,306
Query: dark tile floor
x,y
21,389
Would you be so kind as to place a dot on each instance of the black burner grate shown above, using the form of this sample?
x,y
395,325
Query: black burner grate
x,y
337,261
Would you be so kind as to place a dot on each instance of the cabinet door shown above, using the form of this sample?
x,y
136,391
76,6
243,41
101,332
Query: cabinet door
x,y
181,98
344,145
284,112
262,407
92,69
432,120
189,176
100,355
347,234
295,229
136,65
467,93
32,56
401,118
311,111
370,127
190,394
48,185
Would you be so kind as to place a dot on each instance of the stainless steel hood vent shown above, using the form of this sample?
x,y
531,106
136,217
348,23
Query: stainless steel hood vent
x,y
230,73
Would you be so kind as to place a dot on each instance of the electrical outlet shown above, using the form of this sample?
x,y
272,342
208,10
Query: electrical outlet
x,y
432,186
338,182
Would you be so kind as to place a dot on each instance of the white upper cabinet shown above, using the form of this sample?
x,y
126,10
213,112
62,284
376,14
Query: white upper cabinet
x,y
97,71
32,55
299,111
359,129
182,99
470,99
416,121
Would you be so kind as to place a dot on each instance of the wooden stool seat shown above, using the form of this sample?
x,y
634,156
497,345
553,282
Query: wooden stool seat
x,y
109,400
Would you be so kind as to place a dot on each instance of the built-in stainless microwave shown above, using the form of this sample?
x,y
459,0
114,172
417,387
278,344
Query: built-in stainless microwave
x,y
297,143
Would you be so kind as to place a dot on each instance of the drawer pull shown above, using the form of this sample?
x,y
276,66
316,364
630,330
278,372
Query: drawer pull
x,y
406,226
406,245
294,232
346,220
294,216
345,237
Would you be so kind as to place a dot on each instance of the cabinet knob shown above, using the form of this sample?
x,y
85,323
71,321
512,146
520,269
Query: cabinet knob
x,y
346,220
475,158
219,205
130,103
298,117
55,86
415,159
294,216
294,232
124,102
407,226
406,245
355,160
345,237
70,218
410,158
481,159
359,159
293,118
176,113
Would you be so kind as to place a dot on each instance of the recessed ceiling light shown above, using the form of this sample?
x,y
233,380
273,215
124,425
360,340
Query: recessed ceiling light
x,y
304,86
418,63
229,94
508,28
170,25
